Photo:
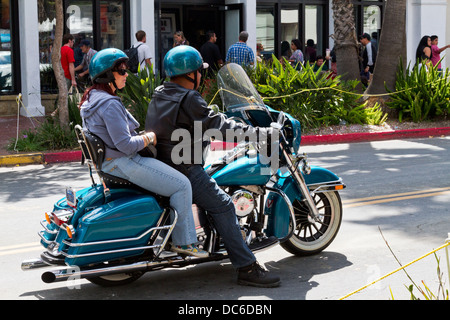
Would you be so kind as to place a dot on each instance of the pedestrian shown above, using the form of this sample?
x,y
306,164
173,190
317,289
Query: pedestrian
x,y
179,39
88,54
320,62
211,53
67,64
296,59
68,60
369,54
436,52
424,53
178,105
104,115
240,52
286,51
144,53
310,51
259,49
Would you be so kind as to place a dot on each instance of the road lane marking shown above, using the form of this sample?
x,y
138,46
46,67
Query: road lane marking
x,y
351,203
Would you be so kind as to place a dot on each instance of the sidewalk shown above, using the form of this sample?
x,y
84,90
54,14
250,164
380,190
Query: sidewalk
x,y
8,125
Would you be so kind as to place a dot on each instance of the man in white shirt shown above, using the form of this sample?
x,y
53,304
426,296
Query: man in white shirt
x,y
143,50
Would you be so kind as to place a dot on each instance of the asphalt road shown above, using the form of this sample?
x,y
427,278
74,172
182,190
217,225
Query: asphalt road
x,y
399,188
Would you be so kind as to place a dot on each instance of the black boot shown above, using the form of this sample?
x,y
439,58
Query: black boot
x,y
255,275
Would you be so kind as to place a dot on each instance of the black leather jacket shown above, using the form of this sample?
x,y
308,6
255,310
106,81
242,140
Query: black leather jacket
x,y
175,107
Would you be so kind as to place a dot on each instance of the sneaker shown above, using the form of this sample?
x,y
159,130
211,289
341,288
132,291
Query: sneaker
x,y
257,276
190,250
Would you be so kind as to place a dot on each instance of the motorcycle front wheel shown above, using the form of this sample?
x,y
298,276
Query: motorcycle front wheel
x,y
313,236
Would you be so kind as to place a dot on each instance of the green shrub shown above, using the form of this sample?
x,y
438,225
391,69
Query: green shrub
x,y
312,97
421,94
138,93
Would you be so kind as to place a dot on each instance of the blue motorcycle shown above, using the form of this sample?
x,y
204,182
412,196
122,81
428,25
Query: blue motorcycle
x,y
113,232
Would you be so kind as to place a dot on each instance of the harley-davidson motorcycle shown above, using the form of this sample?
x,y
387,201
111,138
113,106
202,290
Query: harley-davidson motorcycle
x,y
113,232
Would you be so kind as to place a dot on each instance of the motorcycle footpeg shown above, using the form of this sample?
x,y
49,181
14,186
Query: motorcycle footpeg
x,y
260,244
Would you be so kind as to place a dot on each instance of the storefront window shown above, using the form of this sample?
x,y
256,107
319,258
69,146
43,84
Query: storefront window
x,y
47,23
111,24
314,24
289,26
265,28
368,17
6,57
372,21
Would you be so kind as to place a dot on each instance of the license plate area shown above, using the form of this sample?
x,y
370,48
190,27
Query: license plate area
x,y
71,197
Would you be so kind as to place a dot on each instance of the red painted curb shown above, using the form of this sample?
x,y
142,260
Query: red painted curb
x,y
69,156
355,137
374,136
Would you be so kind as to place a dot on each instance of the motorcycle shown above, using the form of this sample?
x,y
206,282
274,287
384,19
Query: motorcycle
x,y
113,232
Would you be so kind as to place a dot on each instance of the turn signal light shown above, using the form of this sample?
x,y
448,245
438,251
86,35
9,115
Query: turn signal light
x,y
70,231
47,217
339,187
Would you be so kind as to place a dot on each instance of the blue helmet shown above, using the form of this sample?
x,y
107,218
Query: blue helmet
x,y
183,60
103,61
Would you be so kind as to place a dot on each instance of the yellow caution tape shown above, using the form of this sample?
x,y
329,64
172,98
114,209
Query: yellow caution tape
x,y
396,270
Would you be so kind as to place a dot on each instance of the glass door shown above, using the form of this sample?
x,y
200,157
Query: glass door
x,y
233,24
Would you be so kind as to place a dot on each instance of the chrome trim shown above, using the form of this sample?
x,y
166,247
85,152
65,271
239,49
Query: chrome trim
x,y
324,187
33,264
43,239
98,253
44,224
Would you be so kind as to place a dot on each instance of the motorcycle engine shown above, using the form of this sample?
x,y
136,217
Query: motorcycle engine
x,y
244,202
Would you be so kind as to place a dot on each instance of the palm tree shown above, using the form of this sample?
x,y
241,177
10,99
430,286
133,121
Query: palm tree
x,y
346,43
57,68
392,47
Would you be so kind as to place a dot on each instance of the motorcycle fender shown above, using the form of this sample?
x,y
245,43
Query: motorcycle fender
x,y
277,209
124,218
320,176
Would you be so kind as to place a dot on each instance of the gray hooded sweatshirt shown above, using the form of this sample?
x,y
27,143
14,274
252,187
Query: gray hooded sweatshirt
x,y
105,116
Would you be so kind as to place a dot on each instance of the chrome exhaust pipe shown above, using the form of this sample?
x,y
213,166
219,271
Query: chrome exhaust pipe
x,y
74,273
33,264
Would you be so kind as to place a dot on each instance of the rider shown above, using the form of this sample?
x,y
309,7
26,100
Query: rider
x,y
178,105
105,116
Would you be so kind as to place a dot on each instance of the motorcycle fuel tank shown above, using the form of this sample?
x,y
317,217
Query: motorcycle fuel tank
x,y
247,170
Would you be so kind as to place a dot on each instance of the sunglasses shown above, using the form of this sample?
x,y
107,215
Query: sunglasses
x,y
121,72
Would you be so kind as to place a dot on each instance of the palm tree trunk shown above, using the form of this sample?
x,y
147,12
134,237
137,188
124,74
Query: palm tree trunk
x,y
57,68
391,52
392,47
346,43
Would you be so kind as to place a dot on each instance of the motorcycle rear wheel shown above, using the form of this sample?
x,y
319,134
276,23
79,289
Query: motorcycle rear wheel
x,y
311,237
114,280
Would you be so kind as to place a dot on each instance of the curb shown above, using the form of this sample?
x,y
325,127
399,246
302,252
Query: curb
x,y
73,156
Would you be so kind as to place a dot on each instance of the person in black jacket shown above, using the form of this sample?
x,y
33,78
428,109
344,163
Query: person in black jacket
x,y
369,53
178,105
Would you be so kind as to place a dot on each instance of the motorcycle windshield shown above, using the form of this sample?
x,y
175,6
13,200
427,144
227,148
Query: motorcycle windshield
x,y
236,89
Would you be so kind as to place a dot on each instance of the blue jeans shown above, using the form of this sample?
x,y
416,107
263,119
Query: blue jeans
x,y
208,196
159,178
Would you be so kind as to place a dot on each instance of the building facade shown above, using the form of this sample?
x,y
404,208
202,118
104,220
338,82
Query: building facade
x,y
27,32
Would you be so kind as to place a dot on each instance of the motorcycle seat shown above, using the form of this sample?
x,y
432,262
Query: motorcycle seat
x,y
113,182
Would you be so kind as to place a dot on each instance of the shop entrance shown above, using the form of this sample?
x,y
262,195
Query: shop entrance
x,y
196,20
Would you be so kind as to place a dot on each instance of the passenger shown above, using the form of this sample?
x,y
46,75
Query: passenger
x,y
105,116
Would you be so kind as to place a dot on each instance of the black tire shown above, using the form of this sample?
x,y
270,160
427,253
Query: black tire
x,y
114,280
312,237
